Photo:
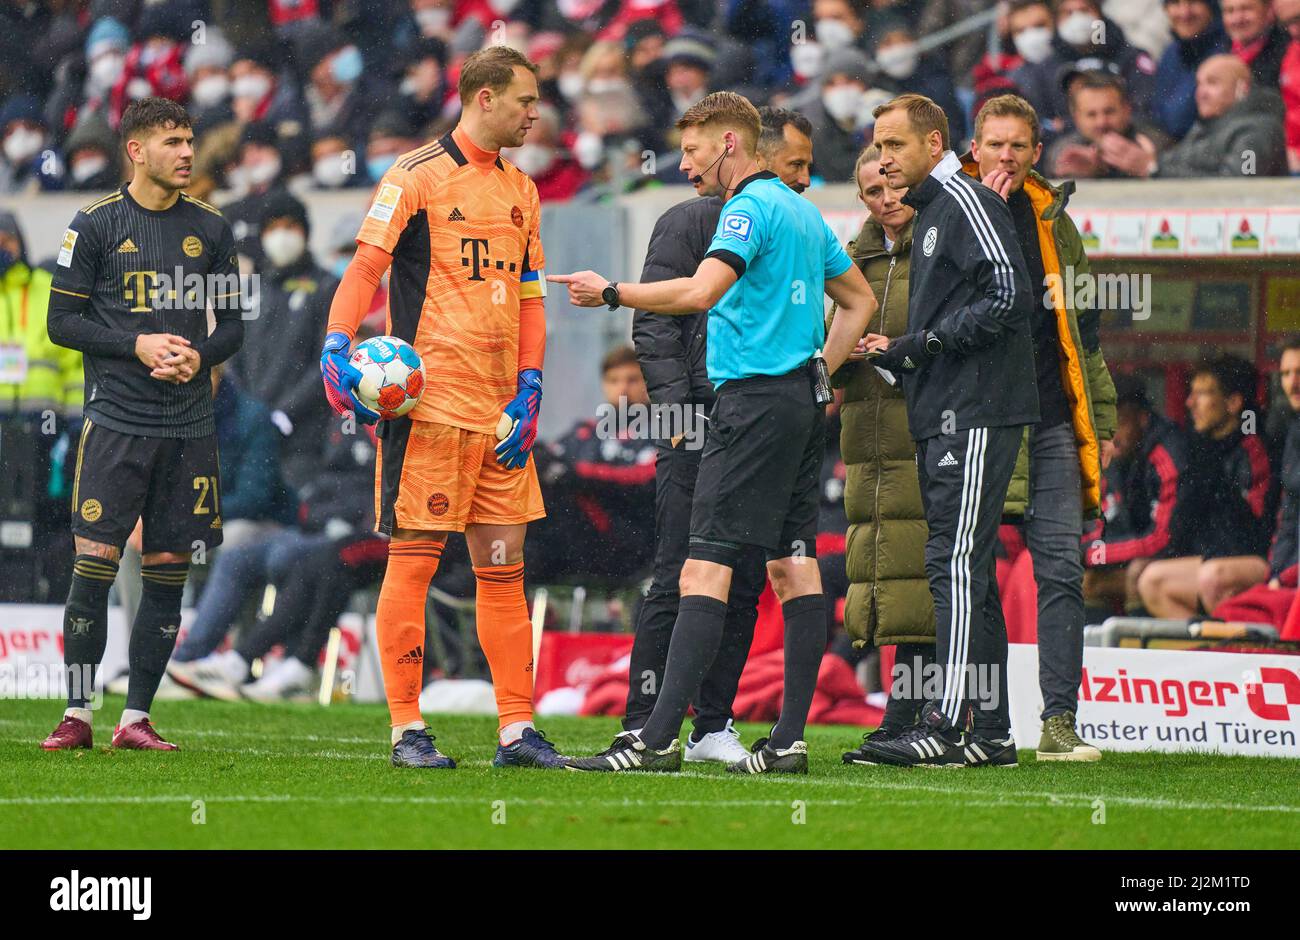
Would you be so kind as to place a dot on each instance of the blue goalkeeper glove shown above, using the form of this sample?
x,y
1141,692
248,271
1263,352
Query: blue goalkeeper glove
x,y
512,453
341,379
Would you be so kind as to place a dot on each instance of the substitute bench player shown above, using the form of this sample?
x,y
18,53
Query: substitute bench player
x,y
133,281
460,228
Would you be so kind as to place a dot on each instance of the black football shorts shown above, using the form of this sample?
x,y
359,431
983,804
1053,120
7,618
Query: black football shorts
x,y
174,484
759,474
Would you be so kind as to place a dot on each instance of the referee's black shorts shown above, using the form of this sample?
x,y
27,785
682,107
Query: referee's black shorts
x,y
760,469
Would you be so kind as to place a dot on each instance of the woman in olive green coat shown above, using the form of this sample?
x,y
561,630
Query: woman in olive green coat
x,y
889,600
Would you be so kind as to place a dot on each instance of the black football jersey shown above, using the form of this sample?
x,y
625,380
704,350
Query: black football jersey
x,y
149,271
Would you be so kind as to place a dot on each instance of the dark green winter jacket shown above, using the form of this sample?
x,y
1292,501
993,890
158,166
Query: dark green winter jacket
x,y
889,597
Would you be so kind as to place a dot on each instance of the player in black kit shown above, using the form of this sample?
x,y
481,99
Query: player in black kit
x,y
134,280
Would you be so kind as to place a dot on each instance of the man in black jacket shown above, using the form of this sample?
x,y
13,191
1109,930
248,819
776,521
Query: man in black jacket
x,y
284,332
671,351
967,365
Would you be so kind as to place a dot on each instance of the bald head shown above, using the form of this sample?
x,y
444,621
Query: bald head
x,y
1221,81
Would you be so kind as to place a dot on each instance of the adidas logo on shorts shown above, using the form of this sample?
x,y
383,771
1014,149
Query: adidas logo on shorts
x,y
948,460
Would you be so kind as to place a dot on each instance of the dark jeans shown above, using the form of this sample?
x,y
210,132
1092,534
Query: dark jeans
x,y
236,576
1052,528
675,474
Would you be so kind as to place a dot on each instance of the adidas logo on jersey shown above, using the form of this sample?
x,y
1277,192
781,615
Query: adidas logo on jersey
x,y
455,216
127,246
948,460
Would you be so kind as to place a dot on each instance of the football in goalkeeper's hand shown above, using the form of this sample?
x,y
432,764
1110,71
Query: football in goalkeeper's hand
x,y
392,376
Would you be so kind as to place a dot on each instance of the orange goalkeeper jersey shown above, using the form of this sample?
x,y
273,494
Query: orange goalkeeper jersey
x,y
463,227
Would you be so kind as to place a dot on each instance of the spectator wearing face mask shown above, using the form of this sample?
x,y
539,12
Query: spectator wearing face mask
x,y
905,69
839,24
339,96
842,114
101,87
422,83
257,171
277,364
92,156
262,91
334,164
1198,34
557,175
153,67
1081,38
390,136
1256,38
27,164
207,67
1238,130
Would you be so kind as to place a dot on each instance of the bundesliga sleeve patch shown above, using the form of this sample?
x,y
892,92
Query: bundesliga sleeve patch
x,y
67,247
737,225
385,203
532,284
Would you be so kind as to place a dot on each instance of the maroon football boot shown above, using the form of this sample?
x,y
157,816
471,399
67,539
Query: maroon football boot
x,y
140,736
71,733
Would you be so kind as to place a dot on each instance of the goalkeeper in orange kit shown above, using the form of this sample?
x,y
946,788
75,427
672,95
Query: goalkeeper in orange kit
x,y
460,228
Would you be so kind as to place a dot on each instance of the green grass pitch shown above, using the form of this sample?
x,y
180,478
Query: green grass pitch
x,y
296,776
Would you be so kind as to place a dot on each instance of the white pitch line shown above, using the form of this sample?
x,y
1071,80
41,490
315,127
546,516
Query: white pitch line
x,y
399,800
1024,798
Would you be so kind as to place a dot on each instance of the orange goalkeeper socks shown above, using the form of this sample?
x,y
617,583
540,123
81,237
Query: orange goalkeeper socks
x,y
506,635
399,623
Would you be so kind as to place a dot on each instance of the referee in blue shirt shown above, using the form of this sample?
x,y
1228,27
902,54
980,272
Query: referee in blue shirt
x,y
762,281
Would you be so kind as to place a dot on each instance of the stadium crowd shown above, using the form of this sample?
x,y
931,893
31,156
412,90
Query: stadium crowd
x,y
291,96
321,94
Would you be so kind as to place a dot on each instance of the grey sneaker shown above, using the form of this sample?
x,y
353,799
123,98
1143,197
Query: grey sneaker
x,y
1061,742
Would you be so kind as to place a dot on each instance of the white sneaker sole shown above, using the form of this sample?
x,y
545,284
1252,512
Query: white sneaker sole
x,y
221,691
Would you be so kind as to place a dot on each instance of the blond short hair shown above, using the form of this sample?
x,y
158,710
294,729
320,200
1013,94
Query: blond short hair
x,y
1008,106
727,110
923,114
870,154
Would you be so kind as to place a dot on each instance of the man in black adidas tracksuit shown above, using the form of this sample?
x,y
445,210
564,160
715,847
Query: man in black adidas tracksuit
x,y
967,365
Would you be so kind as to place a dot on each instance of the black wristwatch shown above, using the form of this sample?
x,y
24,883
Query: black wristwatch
x,y
610,295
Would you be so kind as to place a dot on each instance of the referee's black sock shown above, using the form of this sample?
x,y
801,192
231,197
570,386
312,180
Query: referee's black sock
x,y
805,644
85,625
153,635
696,638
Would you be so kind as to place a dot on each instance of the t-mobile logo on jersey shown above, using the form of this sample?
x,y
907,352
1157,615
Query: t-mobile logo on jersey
x,y
477,259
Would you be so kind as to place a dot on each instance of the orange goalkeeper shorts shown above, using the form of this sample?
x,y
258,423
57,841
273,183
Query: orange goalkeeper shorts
x,y
438,477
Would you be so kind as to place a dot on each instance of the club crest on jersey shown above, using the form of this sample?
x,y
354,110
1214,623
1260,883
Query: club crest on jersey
x,y
192,246
385,203
91,510
517,216
737,225
931,239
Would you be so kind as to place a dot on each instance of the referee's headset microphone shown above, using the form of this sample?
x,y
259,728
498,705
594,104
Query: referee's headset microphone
x,y
699,177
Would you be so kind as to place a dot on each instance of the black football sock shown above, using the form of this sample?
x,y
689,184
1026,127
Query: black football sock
x,y
696,638
805,644
907,695
85,625
153,635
